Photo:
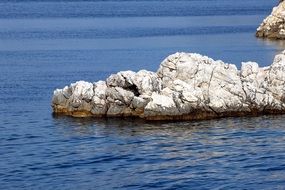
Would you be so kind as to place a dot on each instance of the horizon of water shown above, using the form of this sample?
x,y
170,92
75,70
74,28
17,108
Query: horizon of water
x,y
48,44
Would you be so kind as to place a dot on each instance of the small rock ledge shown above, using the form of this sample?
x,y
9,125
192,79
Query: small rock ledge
x,y
273,27
187,86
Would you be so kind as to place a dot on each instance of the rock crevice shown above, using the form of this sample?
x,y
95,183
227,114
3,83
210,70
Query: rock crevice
x,y
187,86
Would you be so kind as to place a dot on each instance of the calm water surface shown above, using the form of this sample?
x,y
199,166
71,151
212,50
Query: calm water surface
x,y
49,44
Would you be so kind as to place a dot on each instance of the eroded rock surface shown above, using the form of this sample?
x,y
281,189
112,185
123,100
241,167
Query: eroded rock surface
x,y
186,86
273,26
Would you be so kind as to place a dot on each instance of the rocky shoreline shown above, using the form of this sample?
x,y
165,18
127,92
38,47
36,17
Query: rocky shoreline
x,y
187,86
273,27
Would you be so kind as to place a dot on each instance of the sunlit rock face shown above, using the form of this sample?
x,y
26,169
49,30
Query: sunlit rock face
x,y
187,86
273,26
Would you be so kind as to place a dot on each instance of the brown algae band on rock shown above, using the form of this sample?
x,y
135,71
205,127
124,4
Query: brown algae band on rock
x,y
187,86
273,27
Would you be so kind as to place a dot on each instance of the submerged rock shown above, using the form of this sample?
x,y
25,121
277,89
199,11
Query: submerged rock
x,y
187,86
273,26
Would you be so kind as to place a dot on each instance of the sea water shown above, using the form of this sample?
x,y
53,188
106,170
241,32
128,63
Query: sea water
x,y
48,44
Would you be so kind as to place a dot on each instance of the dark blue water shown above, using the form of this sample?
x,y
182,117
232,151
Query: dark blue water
x,y
49,44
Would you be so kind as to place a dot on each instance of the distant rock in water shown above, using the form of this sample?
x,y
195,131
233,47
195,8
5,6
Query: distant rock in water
x,y
187,86
273,26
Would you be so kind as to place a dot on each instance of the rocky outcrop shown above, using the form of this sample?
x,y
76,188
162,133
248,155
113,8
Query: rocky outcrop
x,y
187,86
273,26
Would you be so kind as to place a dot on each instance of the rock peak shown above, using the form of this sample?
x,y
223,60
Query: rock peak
x,y
273,26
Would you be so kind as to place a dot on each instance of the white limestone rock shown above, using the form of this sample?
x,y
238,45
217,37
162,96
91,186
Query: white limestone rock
x,y
161,105
215,84
273,26
99,103
186,86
